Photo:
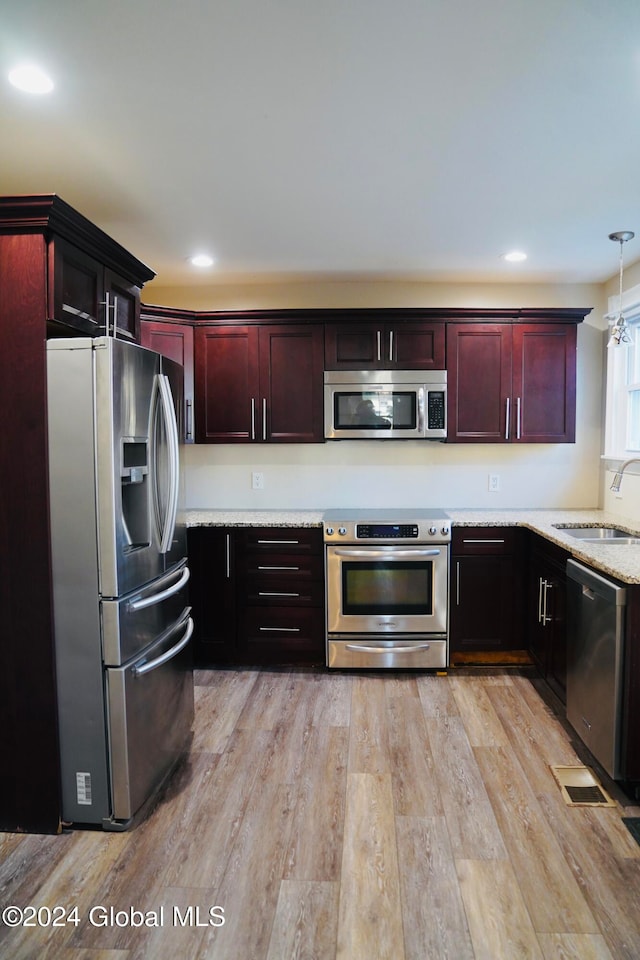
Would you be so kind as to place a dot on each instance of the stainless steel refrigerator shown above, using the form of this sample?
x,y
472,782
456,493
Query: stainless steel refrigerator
x,y
121,614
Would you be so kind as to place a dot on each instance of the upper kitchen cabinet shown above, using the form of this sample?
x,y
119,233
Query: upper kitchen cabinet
x,y
170,333
378,345
259,383
92,283
513,382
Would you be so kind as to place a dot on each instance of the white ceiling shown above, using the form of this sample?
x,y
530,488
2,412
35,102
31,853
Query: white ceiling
x,y
348,138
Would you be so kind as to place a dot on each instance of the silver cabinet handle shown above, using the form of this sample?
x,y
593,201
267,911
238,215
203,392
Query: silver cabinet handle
x,y
227,557
279,629
484,541
517,418
264,418
391,345
277,568
253,418
508,421
457,583
379,341
276,593
292,542
188,426
169,655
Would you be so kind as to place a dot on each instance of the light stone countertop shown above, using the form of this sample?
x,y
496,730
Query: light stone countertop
x,y
621,562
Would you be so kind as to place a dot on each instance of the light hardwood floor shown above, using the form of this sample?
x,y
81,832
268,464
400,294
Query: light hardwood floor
x,y
344,816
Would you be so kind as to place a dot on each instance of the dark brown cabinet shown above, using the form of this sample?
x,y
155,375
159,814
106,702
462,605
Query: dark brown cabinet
x,y
162,330
487,597
259,383
511,383
547,612
90,298
212,592
257,595
379,345
281,583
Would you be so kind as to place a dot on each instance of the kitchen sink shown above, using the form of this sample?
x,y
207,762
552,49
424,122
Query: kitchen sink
x,y
608,535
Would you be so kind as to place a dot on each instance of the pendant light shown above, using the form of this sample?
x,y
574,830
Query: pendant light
x,y
619,330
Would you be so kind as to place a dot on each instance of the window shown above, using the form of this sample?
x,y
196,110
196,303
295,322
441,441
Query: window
x,y
622,429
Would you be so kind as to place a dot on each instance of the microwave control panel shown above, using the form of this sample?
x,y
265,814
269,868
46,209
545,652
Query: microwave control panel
x,y
435,410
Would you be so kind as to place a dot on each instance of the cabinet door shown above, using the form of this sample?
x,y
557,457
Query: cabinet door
x,y
353,346
378,346
415,346
544,383
123,299
227,387
479,382
486,609
547,614
291,384
212,594
76,295
175,341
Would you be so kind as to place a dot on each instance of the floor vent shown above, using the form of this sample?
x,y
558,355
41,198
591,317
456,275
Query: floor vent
x,y
633,826
580,788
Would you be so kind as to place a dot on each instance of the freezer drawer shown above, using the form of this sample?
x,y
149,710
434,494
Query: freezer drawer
x,y
129,624
150,713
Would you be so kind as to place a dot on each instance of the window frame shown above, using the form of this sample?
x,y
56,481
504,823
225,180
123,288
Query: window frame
x,y
620,416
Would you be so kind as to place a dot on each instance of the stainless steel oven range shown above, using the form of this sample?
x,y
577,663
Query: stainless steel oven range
x,y
387,575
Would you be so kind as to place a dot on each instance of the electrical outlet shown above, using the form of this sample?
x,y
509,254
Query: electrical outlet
x,y
257,480
494,482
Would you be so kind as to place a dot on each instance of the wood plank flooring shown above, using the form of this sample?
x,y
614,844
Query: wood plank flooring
x,y
338,816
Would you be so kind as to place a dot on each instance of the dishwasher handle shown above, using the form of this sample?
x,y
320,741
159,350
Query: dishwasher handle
x,y
599,586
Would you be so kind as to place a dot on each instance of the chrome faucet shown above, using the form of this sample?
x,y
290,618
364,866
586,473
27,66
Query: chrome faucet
x,y
617,480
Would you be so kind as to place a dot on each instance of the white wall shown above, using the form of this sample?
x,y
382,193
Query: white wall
x,y
409,473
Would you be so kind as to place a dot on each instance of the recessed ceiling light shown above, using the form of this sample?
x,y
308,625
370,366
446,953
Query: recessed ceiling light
x,y
515,256
30,79
202,260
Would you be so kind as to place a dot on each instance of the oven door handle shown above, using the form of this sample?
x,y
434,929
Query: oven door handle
x,y
388,555
359,647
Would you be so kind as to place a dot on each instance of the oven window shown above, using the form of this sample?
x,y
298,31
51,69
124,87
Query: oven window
x,y
387,587
375,410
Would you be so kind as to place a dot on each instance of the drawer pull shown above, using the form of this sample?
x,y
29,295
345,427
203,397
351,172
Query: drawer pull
x,y
278,568
279,629
276,593
483,541
290,542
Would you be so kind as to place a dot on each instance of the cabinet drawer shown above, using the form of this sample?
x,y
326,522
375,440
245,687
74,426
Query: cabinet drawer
x,y
472,541
283,592
289,567
283,634
281,540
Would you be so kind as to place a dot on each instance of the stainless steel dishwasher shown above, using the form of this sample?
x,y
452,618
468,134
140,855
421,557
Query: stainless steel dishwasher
x,y
595,646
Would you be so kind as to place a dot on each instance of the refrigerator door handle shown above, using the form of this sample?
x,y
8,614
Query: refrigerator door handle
x,y
167,523
168,655
145,602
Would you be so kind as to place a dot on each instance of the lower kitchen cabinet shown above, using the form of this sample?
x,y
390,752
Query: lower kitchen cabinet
x,y
487,596
257,595
212,594
547,612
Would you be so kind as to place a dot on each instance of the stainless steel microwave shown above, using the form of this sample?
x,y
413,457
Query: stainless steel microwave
x,y
385,404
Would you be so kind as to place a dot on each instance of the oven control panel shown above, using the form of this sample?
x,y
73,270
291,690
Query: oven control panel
x,y
386,531
435,529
